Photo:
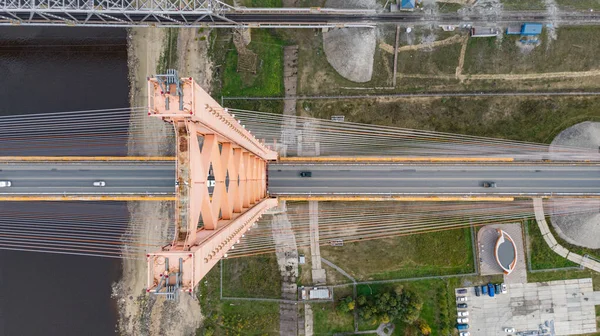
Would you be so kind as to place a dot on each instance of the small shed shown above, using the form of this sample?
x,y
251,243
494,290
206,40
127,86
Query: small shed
x,y
531,29
393,7
484,32
319,294
407,5
514,29
301,259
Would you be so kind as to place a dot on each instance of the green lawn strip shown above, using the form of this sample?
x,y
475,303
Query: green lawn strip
x,y
542,257
427,254
234,317
565,275
572,248
251,317
268,81
327,320
575,49
523,4
448,7
515,118
253,276
579,4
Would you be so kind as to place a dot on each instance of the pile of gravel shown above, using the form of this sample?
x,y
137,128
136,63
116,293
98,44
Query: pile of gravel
x,y
350,51
581,229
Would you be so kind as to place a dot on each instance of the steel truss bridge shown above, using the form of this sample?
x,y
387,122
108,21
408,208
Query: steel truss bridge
x,y
214,13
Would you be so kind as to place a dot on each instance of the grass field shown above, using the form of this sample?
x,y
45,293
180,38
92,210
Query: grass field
x,y
575,49
516,118
268,80
443,60
542,257
565,275
254,276
234,317
327,321
579,4
438,253
523,4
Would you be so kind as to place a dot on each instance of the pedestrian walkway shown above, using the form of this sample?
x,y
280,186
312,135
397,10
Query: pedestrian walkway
x,y
538,207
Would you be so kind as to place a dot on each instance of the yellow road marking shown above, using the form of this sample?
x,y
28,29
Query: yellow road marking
x,y
86,158
394,159
399,198
86,198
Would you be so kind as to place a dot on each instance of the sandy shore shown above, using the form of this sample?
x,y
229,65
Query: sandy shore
x,y
140,314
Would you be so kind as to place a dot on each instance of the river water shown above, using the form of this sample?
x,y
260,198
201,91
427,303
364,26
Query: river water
x,y
52,70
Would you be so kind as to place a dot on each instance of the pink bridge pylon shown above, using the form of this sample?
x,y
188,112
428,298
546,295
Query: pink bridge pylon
x,y
209,140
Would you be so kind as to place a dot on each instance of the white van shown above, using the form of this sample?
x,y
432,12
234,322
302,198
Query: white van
x,y
5,184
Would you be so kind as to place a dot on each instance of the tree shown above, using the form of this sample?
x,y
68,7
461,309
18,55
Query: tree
x,y
388,306
346,304
361,300
424,328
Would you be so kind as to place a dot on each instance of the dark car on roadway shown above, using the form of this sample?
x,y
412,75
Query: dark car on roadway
x,y
489,184
462,305
305,174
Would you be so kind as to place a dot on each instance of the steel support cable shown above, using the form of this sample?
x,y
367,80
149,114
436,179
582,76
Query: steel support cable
x,y
43,115
485,219
381,129
19,248
462,140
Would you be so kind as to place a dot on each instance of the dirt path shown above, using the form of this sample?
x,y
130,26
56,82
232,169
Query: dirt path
x,y
576,74
461,58
451,40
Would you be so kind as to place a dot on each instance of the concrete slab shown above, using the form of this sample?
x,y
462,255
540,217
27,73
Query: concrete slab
x,y
569,305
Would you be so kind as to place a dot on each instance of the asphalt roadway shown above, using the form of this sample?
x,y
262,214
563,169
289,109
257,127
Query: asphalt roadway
x,y
158,178
434,179
121,178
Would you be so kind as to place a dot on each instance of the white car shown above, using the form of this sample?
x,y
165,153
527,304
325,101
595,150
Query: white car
x,y
5,184
461,299
509,330
464,333
504,290
99,183
463,313
462,320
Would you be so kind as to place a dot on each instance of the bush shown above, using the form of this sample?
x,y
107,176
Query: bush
x,y
385,307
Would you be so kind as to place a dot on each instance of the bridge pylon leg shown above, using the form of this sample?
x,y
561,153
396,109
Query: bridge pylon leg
x,y
220,186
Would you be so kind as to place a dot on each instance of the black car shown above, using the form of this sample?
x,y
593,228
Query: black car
x,y
477,291
489,184
462,291
305,174
461,305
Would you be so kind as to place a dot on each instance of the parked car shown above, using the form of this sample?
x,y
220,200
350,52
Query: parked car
x,y
462,305
462,291
99,183
477,291
463,313
461,299
497,288
5,184
491,290
464,333
305,174
462,327
509,329
504,290
484,289
462,320
489,184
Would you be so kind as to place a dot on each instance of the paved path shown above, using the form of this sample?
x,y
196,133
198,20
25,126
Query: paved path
x,y
538,207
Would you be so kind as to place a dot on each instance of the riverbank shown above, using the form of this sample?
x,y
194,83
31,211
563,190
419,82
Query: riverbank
x,y
149,50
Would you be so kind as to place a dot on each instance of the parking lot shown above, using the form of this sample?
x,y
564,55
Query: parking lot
x,y
563,307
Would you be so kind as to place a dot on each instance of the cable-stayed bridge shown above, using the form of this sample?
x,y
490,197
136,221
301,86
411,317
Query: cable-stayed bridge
x,y
231,167
215,13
